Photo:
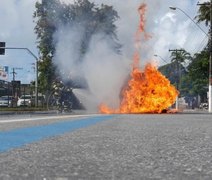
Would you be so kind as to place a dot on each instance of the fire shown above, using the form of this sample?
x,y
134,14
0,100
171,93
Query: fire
x,y
147,91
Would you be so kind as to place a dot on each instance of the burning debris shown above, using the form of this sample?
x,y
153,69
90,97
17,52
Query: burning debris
x,y
147,91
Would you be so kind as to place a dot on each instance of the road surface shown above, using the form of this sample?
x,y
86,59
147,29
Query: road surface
x,y
140,146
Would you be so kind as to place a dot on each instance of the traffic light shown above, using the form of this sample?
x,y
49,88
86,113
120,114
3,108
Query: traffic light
x,y
2,46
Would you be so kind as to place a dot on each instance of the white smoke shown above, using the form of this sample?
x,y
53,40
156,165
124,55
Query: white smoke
x,y
68,50
105,71
169,29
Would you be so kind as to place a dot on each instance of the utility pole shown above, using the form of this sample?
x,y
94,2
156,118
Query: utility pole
x,y
210,58
178,75
14,89
14,73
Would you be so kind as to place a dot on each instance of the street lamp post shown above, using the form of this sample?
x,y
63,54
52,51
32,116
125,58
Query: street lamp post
x,y
175,8
156,55
210,58
210,64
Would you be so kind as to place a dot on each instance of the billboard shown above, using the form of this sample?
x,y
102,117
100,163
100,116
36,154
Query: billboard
x,y
4,73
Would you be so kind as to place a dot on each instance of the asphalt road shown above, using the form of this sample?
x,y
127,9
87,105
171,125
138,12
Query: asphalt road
x,y
149,146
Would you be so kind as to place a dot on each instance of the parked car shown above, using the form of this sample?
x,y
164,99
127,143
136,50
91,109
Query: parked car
x,y
41,100
24,100
6,101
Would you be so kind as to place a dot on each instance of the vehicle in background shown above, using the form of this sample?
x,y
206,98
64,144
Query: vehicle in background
x,y
25,100
6,101
203,106
41,101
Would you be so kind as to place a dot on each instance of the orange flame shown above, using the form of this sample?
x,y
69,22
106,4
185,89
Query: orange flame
x,y
141,28
148,91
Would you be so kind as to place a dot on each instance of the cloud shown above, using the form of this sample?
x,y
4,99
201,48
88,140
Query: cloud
x,y
169,16
17,30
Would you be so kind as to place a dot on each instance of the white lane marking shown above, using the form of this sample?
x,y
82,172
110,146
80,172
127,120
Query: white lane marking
x,y
48,117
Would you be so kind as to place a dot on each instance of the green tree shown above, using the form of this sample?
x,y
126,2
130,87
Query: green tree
x,y
180,56
171,73
45,28
180,59
199,68
198,72
94,20
204,13
167,71
193,75
51,15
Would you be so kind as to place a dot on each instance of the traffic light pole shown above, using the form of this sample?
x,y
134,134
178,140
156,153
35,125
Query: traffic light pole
x,y
36,67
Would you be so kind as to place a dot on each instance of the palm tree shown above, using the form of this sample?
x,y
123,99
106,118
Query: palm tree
x,y
204,14
180,59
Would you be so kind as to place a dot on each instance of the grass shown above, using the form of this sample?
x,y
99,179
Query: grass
x,y
19,109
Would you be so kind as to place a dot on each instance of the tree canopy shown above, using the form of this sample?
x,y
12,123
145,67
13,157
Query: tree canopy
x,y
51,15
194,79
204,13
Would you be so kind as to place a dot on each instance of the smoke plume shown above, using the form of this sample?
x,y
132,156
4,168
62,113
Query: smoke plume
x,y
105,71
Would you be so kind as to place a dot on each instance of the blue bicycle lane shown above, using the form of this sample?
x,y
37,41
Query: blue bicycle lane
x,y
19,137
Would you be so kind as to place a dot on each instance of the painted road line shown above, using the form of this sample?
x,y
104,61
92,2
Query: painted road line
x,y
20,137
45,118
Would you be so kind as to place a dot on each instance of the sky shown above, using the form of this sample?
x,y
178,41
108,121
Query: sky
x,y
169,30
